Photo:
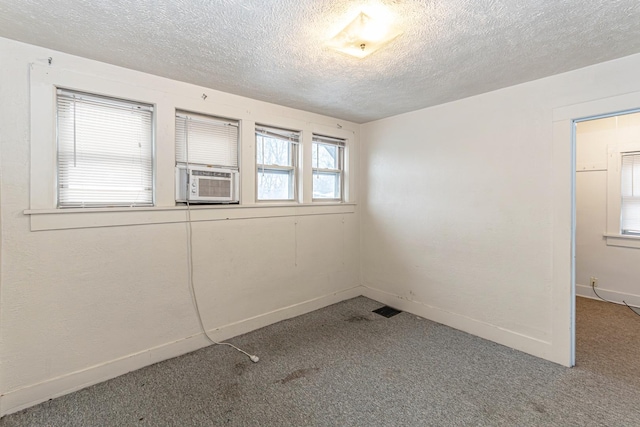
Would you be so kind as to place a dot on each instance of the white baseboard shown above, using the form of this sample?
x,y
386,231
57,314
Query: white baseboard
x,y
518,341
33,394
609,295
262,320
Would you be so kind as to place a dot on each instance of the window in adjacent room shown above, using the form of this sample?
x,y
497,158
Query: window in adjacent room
x,y
328,166
104,151
630,194
276,163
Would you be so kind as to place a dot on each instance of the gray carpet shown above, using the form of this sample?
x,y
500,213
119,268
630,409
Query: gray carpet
x,y
346,366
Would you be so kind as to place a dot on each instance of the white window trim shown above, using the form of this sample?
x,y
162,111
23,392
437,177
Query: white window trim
x,y
613,235
44,83
58,219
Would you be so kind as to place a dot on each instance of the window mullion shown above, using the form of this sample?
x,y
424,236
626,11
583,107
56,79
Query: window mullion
x,y
325,170
275,167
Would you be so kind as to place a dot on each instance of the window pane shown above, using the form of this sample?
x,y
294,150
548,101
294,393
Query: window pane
x,y
325,156
104,152
275,185
273,151
630,216
326,185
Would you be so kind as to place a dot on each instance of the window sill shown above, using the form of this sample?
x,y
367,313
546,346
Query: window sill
x,y
63,219
622,240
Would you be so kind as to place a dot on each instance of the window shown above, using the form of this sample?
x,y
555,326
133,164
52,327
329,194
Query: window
x,y
630,194
276,160
105,151
623,195
328,165
208,140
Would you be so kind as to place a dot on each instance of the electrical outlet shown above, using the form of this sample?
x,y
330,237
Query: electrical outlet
x,y
594,282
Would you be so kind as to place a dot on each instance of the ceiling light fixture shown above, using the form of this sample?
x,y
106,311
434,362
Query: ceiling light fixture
x,y
363,36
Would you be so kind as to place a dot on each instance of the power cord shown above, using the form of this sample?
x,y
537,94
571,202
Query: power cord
x,y
630,307
254,358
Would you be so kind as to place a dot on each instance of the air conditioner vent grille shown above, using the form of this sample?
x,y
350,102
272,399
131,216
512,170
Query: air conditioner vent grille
x,y
214,188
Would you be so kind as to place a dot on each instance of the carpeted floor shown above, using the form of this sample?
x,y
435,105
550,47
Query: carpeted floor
x,y
346,366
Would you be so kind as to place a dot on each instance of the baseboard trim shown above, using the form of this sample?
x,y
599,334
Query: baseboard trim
x,y
609,295
33,394
262,320
506,337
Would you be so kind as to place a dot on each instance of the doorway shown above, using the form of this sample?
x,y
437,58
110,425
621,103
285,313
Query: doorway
x,y
606,238
563,193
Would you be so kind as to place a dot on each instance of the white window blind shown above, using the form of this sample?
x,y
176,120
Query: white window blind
x,y
630,192
105,151
210,141
276,161
328,166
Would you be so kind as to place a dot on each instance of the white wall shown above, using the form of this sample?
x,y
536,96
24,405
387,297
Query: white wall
x,y
617,268
84,299
467,207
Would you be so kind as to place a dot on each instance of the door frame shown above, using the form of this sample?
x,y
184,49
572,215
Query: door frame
x,y
564,212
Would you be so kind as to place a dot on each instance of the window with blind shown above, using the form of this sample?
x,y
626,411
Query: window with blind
x,y
630,194
328,168
276,162
206,140
104,151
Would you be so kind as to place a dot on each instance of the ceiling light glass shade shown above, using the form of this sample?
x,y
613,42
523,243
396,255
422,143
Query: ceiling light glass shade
x,y
363,36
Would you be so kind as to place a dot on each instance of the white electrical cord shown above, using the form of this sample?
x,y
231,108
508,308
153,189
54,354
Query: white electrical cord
x,y
254,358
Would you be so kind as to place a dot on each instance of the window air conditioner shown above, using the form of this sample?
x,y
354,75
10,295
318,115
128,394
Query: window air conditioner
x,y
203,184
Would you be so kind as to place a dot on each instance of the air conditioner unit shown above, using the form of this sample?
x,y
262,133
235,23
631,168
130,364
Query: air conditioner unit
x,y
203,184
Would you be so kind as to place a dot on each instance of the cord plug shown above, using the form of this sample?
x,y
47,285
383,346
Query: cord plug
x,y
254,359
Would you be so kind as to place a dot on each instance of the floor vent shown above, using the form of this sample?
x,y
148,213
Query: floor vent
x,y
387,311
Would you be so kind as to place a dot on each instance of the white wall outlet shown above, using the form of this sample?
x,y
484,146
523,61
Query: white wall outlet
x,y
594,282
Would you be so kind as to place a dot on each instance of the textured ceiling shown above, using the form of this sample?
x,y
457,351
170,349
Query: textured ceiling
x,y
275,50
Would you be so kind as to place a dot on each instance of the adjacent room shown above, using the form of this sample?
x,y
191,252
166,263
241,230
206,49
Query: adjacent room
x,y
319,212
607,224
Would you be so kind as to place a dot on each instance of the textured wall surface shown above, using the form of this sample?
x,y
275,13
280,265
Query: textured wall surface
x,y
275,50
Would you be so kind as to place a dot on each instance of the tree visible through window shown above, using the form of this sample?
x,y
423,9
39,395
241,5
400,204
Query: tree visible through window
x,y
327,163
276,160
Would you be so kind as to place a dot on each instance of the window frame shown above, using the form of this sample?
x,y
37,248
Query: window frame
x,y
292,170
340,144
108,101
